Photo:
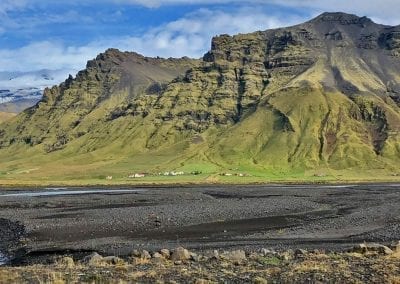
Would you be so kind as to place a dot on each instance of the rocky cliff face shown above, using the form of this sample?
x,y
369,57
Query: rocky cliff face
x,y
322,93
105,90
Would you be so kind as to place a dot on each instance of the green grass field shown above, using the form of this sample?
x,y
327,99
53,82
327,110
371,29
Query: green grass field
x,y
89,175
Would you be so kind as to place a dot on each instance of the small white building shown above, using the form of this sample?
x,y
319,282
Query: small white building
x,y
137,175
173,173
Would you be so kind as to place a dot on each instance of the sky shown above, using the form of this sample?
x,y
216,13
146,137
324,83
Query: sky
x,y
63,35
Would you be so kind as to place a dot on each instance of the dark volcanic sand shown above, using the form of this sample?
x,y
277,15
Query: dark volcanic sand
x,y
279,217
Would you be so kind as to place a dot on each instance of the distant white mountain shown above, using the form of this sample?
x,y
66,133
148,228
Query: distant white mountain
x,y
29,86
33,94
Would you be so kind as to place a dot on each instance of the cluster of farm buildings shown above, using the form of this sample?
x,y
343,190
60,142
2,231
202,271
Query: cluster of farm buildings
x,y
142,175
178,173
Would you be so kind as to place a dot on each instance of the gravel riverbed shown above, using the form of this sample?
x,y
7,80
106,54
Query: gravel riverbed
x,y
199,217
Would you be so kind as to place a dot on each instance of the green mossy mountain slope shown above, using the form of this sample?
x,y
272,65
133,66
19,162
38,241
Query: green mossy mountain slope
x,y
323,96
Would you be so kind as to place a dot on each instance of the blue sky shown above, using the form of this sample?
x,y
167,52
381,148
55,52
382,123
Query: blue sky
x,y
63,35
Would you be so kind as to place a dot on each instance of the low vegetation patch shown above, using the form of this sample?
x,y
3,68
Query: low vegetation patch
x,y
373,265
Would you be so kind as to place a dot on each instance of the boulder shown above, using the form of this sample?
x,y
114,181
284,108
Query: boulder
x,y
180,254
145,255
259,280
266,252
157,255
319,251
165,253
372,247
93,259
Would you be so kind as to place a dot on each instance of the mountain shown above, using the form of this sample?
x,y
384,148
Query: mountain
x,y
20,90
10,96
18,105
19,100
319,98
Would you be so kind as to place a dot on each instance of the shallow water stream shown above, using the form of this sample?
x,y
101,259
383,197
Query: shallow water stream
x,y
58,192
3,259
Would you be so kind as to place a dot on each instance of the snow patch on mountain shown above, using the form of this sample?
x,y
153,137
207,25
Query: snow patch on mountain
x,y
16,86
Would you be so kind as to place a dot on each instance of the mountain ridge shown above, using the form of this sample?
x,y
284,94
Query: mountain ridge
x,y
324,94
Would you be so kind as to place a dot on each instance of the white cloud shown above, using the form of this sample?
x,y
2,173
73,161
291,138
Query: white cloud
x,y
379,9
9,5
191,35
36,79
385,10
27,23
58,60
45,55
188,36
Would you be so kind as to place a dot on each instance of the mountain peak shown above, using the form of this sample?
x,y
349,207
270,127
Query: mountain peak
x,y
341,18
